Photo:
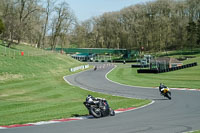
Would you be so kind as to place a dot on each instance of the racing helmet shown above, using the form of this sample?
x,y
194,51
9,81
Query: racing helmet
x,y
89,98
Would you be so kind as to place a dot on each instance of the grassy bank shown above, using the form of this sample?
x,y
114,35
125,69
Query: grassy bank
x,y
32,87
185,78
194,132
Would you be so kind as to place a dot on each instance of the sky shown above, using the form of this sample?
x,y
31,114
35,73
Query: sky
x,y
85,9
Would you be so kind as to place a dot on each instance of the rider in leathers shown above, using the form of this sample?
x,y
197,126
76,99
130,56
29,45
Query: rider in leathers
x,y
91,99
161,87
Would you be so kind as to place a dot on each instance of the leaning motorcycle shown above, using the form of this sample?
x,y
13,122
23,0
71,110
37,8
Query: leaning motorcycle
x,y
166,92
99,108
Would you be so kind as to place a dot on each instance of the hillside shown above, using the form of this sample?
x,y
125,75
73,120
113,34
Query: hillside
x,y
32,88
33,63
30,82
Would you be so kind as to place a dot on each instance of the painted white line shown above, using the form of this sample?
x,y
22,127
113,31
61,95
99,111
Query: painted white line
x,y
190,131
71,119
77,118
183,89
107,79
152,102
95,91
44,122
56,121
109,94
73,74
67,81
123,84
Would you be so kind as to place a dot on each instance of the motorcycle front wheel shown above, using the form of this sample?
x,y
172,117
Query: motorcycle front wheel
x,y
168,95
96,112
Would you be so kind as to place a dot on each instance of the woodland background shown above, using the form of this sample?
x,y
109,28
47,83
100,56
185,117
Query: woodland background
x,y
160,25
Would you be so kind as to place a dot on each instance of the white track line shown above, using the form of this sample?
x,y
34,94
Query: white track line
x,y
75,118
183,89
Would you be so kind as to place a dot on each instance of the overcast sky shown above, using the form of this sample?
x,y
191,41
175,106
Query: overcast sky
x,y
85,9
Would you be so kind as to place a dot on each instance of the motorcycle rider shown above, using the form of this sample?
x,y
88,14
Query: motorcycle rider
x,y
98,104
95,68
161,88
91,99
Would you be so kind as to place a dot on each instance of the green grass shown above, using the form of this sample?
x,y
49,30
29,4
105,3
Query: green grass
x,y
185,78
32,88
194,132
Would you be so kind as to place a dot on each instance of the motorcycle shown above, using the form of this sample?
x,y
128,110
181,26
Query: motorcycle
x,y
166,92
98,107
95,68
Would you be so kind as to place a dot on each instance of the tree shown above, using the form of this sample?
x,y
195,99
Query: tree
x,y
159,25
2,26
48,10
10,20
19,18
25,8
191,34
62,22
198,33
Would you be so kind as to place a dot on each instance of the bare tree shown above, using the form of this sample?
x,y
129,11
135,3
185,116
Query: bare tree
x,y
49,7
63,19
160,25
25,8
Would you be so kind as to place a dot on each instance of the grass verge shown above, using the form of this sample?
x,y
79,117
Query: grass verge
x,y
32,88
185,78
194,132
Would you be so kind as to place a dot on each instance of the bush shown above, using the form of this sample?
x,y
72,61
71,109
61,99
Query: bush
x,y
2,26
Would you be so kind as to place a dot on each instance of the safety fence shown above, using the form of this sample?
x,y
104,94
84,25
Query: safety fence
x,y
82,67
14,53
167,70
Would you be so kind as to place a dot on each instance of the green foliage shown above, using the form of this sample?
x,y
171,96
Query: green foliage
x,y
192,34
2,26
198,32
195,132
159,25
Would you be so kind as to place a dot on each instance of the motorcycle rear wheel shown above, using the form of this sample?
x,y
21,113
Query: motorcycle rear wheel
x,y
112,112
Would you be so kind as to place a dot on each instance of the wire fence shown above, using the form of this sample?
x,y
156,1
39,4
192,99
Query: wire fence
x,y
14,53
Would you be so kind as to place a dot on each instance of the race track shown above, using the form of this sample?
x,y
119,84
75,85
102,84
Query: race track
x,y
181,114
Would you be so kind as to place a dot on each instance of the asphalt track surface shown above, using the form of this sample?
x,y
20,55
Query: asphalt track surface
x,y
181,114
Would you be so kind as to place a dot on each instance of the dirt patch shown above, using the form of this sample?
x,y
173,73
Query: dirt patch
x,y
58,70
8,76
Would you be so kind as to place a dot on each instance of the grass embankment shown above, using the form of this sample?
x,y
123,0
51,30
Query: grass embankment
x,y
184,78
196,132
32,87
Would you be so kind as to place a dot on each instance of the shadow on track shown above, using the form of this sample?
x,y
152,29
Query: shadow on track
x,y
77,115
160,99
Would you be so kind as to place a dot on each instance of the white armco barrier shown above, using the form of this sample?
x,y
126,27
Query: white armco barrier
x,y
78,68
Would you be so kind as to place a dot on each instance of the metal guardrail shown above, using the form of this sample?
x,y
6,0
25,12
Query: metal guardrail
x,y
167,70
